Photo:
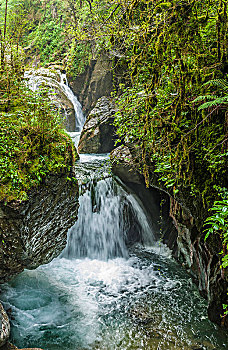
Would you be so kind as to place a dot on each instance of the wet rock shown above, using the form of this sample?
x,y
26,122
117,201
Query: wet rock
x,y
34,232
202,261
94,82
123,165
9,346
4,326
98,134
156,203
51,79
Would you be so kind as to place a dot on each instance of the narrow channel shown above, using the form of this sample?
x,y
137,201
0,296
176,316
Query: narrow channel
x,y
113,286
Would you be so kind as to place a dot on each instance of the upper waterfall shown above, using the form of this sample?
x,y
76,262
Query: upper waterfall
x,y
79,117
63,97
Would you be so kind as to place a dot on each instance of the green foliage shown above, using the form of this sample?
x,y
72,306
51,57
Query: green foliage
x,y
32,146
78,58
214,101
33,143
217,223
171,50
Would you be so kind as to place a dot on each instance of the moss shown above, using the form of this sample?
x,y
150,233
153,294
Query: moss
x,y
28,154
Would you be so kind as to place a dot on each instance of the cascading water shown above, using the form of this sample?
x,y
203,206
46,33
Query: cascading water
x,y
101,293
80,119
99,231
103,222
56,81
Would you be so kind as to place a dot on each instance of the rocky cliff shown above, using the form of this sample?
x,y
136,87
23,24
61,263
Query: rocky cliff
x,y
201,259
35,231
96,81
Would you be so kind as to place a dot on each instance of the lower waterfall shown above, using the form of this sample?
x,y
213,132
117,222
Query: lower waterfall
x,y
104,293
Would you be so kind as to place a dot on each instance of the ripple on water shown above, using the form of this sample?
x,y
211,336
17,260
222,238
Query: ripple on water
x,y
144,302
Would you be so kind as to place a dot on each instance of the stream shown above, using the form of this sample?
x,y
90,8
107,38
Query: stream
x,y
101,292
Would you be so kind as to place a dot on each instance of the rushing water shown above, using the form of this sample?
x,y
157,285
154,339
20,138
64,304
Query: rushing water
x,y
56,81
80,119
102,294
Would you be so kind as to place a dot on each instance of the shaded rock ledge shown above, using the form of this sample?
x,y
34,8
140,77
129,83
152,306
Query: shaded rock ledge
x,y
201,259
98,134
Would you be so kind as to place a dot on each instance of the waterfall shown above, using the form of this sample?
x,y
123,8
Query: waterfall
x,y
101,294
57,82
79,117
99,231
105,216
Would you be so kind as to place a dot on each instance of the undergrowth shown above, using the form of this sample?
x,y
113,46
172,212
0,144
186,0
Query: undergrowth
x,y
33,144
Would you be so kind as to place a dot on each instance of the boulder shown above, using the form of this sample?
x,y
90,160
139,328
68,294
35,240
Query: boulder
x,y
124,166
34,232
4,326
98,134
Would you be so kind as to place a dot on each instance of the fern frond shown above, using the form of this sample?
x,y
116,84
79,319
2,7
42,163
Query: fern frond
x,y
221,83
205,97
215,102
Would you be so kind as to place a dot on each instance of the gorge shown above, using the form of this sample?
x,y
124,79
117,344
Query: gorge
x,y
115,285
113,174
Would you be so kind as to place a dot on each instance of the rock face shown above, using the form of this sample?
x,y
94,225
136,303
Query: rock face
x,y
35,231
95,82
98,134
4,326
201,259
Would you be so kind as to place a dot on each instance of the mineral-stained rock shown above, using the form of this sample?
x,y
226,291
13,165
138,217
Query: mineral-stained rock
x,y
4,326
34,232
98,134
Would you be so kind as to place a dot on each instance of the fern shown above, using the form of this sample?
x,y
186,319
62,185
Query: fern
x,y
217,101
214,99
201,98
221,83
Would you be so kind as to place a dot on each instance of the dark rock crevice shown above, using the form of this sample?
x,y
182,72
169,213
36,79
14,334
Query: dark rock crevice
x,y
96,81
182,232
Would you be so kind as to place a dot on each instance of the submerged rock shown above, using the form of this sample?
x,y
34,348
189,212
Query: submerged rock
x,y
4,326
98,134
9,346
35,231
